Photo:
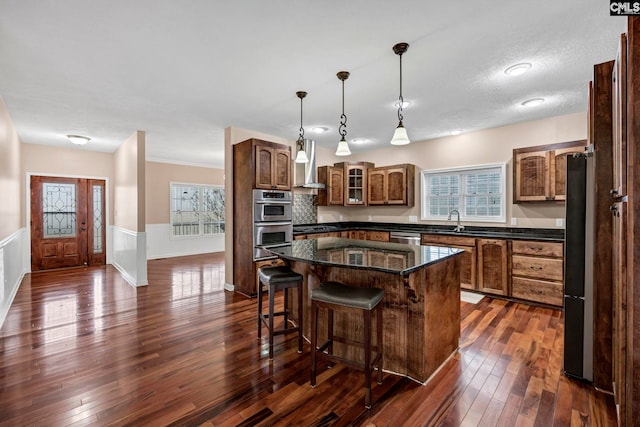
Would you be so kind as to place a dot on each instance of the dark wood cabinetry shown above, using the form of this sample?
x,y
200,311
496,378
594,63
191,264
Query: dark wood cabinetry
x,y
492,266
619,111
273,168
256,164
539,173
391,185
333,179
468,260
537,271
345,184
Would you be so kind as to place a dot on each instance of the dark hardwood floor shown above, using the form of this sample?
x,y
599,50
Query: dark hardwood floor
x,y
83,347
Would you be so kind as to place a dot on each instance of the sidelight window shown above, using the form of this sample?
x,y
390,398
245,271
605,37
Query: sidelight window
x,y
197,210
478,193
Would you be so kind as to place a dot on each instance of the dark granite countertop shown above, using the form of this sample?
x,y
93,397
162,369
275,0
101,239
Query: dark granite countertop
x,y
396,258
514,233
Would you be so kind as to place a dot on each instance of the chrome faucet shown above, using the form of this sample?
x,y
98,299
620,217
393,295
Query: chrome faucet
x,y
459,227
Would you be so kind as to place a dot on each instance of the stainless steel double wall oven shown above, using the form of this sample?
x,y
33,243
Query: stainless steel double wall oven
x,y
272,221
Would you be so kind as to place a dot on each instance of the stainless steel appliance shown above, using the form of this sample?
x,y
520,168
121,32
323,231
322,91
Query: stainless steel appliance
x,y
578,269
270,206
272,222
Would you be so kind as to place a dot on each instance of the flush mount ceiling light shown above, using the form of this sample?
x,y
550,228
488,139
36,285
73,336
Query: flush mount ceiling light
x,y
358,140
518,69
405,104
456,132
78,139
534,102
343,147
302,156
400,136
319,129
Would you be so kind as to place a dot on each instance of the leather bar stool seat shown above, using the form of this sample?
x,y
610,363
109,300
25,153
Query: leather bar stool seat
x,y
336,297
278,278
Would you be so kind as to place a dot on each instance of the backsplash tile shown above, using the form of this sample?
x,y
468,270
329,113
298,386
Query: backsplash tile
x,y
305,209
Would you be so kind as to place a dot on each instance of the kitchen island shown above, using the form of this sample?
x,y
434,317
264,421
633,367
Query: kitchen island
x,y
421,304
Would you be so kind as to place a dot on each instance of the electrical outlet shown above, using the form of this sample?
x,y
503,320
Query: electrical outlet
x,y
319,218
341,217
514,221
559,222
413,218
370,218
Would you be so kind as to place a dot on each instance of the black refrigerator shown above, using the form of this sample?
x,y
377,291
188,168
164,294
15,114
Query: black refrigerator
x,y
578,268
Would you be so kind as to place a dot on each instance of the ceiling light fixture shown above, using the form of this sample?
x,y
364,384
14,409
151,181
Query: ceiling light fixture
x,y
518,69
319,129
358,140
302,155
343,146
456,132
78,139
400,136
534,102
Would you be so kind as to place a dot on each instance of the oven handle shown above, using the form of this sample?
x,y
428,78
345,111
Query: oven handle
x,y
273,202
266,224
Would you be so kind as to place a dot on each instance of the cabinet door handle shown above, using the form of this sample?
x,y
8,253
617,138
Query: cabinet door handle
x,y
613,191
535,267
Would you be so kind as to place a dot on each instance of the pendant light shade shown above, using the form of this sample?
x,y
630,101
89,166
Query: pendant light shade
x,y
400,136
343,146
301,157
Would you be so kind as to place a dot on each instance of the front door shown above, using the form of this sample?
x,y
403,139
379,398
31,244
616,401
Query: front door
x,y
67,226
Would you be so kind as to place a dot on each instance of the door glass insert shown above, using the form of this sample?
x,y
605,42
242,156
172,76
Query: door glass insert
x,y
97,219
59,209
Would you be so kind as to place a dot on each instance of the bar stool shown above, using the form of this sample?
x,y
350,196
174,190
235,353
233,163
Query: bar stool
x,y
276,279
348,299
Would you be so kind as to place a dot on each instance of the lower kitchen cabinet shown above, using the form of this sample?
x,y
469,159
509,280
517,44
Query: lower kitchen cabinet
x,y
468,260
493,266
537,271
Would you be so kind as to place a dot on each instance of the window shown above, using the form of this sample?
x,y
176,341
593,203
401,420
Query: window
x,y
196,210
478,193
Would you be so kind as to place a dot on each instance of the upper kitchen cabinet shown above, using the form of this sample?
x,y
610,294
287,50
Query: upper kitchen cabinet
x,y
539,173
619,111
355,182
391,185
333,179
272,164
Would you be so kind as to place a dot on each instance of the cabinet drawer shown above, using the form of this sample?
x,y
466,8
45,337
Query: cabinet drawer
x,y
536,268
447,240
537,290
380,236
537,248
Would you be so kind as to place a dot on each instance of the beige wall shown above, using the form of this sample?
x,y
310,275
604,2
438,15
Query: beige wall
x,y
11,217
47,160
129,183
473,148
158,179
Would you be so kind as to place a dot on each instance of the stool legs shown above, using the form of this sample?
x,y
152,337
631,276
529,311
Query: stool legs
x,y
271,317
368,346
314,342
379,342
268,319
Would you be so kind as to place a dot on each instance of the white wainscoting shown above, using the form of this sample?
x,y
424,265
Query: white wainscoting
x,y
130,255
160,243
13,266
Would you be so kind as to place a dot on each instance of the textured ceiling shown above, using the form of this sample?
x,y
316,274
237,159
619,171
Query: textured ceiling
x,y
184,70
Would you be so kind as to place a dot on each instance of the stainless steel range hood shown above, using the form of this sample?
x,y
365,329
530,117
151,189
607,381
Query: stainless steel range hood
x,y
307,173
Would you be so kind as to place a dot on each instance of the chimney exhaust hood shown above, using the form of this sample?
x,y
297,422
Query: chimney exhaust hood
x,y
307,173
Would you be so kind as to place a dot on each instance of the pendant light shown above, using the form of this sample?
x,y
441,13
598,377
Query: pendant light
x,y
302,155
343,146
400,136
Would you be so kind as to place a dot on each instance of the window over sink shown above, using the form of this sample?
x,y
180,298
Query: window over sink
x,y
478,193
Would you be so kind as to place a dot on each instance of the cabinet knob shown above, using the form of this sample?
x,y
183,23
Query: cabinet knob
x,y
613,192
